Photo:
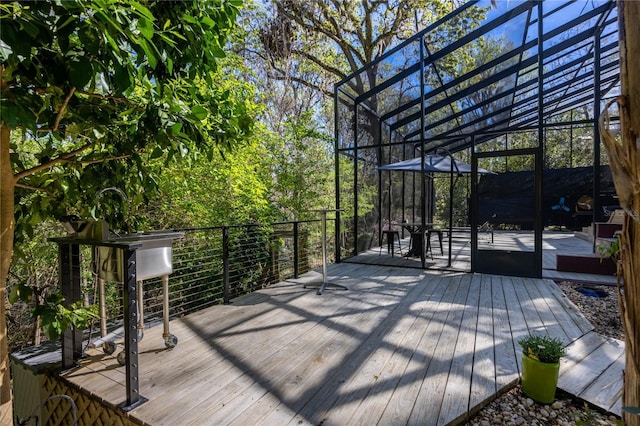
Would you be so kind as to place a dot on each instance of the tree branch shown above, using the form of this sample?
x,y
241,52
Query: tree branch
x,y
315,60
348,50
63,158
102,96
63,108
103,160
299,80
33,188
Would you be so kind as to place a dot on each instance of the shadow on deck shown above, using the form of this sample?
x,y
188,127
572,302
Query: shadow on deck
x,y
401,346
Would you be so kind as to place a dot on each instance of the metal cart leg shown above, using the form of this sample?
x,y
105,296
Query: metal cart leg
x,y
140,311
170,341
108,347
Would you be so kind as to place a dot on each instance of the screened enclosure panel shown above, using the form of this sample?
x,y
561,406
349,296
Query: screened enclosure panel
x,y
506,230
508,75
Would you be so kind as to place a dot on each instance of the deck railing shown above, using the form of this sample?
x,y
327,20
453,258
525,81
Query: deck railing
x,y
216,264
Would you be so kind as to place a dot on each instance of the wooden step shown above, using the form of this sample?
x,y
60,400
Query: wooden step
x,y
585,263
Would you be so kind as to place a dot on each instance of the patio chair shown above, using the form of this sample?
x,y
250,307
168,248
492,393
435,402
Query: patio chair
x,y
392,237
439,233
487,228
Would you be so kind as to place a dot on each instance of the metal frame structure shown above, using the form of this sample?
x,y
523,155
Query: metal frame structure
x,y
460,83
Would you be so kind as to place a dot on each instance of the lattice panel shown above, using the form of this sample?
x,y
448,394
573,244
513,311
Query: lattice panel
x,y
27,391
90,411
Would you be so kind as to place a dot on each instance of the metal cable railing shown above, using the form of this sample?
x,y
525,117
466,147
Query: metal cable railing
x,y
214,265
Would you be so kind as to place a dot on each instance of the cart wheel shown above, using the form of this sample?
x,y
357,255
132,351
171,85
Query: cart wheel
x,y
108,348
140,334
121,358
170,341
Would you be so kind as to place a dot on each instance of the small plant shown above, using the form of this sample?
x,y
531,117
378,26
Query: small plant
x,y
55,318
586,417
542,348
610,249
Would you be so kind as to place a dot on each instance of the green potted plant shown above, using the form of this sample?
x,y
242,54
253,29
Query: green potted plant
x,y
540,366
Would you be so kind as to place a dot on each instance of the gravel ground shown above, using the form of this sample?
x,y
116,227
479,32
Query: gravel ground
x,y
514,408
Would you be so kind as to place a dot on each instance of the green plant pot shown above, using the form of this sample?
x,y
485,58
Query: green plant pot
x,y
539,379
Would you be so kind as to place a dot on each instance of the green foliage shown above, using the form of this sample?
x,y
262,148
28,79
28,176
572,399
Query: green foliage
x,y
100,89
588,417
610,249
270,178
302,167
318,42
542,348
22,292
55,318
229,190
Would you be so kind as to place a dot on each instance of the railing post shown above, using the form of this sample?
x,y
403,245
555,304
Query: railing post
x,y
130,303
225,264
69,269
296,263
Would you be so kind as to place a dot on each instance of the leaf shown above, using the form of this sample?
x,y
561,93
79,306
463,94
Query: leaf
x,y
20,292
169,65
80,72
157,153
142,10
29,28
199,112
89,38
111,41
210,23
5,51
16,41
176,128
97,133
122,78
15,116
632,410
146,28
148,52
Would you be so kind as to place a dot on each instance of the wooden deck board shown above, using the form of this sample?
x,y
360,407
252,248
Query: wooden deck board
x,y
567,307
373,343
505,353
427,408
401,403
516,315
606,390
457,390
274,330
401,346
483,384
380,346
592,370
371,409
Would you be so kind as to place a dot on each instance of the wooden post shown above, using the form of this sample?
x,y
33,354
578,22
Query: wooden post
x,y
624,160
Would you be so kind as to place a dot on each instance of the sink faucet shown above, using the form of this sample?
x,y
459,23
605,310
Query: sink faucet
x,y
125,203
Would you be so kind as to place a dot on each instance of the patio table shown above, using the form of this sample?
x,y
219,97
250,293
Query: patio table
x,y
417,231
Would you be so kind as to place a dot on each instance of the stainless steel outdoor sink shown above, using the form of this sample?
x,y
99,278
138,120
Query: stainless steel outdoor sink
x,y
153,251
153,255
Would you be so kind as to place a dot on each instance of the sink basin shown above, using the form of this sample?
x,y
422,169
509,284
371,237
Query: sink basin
x,y
153,257
145,236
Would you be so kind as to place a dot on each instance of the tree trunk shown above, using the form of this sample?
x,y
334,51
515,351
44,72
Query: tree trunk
x,y
7,185
624,159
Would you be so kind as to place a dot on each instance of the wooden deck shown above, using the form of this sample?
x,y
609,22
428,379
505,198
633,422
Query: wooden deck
x,y
400,346
553,243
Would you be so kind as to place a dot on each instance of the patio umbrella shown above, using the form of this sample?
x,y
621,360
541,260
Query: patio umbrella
x,y
432,164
